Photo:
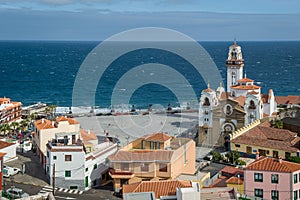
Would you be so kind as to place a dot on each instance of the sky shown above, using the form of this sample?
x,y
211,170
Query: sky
x,y
203,20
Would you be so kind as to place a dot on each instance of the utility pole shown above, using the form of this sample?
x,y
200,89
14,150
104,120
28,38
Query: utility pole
x,y
53,179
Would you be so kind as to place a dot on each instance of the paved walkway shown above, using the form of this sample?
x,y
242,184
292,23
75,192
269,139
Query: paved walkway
x,y
34,172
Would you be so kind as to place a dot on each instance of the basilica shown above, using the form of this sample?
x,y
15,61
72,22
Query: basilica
x,y
222,112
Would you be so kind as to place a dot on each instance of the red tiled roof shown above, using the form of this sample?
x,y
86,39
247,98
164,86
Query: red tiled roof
x,y
241,100
43,124
63,118
208,90
224,95
273,164
219,182
290,99
85,136
245,80
142,155
159,137
232,170
245,87
160,188
4,144
265,136
235,180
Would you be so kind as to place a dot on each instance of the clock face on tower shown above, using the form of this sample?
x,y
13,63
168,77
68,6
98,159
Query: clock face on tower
x,y
228,109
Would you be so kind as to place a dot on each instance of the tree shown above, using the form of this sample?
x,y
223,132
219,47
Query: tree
x,y
15,126
294,159
216,156
278,124
24,124
53,110
233,157
4,128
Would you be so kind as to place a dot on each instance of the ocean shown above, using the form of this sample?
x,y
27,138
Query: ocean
x,y
45,71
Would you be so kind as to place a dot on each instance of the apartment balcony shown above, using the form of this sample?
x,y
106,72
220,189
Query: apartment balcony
x,y
120,174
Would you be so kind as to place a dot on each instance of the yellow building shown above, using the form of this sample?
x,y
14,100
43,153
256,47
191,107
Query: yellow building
x,y
237,183
268,141
152,158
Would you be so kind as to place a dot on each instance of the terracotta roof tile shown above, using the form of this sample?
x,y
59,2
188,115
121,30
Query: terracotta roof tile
x,y
219,182
142,155
63,118
208,90
4,144
265,136
224,95
160,188
85,135
232,170
241,100
159,137
235,180
43,124
272,164
287,99
245,87
245,80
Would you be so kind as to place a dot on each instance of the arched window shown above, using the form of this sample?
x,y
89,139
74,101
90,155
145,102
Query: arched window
x,y
252,105
233,78
233,93
206,102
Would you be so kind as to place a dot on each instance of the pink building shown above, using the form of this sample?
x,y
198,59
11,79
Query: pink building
x,y
272,178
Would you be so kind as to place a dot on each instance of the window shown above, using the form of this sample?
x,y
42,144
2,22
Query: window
x,y
275,194
47,154
73,187
54,157
95,166
67,173
258,193
252,105
237,145
86,169
68,157
295,178
295,194
163,167
157,145
143,144
287,155
151,145
145,167
206,102
249,150
125,166
274,178
275,154
258,177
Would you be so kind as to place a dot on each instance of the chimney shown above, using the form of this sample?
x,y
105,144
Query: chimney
x,y
89,131
280,159
43,120
52,123
257,155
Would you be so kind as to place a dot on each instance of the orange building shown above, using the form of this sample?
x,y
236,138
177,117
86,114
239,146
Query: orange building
x,y
9,111
152,158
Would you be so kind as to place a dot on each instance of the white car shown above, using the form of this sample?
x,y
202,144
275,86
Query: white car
x,y
16,193
10,171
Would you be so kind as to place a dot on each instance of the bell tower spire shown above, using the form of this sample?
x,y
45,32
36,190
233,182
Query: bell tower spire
x,y
234,64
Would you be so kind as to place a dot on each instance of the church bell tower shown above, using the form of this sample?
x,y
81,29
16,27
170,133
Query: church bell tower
x,y
234,64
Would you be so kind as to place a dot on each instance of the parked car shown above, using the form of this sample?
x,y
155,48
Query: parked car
x,y
10,171
16,193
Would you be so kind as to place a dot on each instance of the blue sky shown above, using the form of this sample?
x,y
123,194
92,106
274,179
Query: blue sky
x,y
99,19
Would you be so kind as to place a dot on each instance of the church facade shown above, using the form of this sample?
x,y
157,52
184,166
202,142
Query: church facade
x,y
223,112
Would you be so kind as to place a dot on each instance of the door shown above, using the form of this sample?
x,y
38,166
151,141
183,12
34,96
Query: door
x,y
73,139
86,181
249,150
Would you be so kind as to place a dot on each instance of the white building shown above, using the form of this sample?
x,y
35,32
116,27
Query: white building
x,y
74,168
10,150
221,113
45,130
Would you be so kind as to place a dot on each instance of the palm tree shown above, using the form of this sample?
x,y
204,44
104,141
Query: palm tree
x,y
24,124
53,110
4,128
15,126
